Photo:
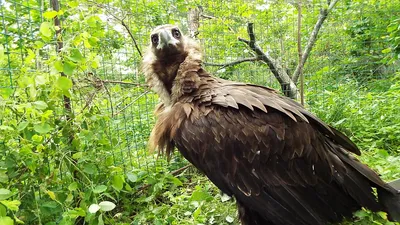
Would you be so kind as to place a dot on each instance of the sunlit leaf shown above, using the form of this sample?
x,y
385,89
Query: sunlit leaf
x,y
22,125
76,55
72,4
41,105
51,195
59,66
106,206
118,182
11,205
93,208
64,83
6,221
4,193
6,128
42,128
200,195
197,212
50,14
45,29
69,68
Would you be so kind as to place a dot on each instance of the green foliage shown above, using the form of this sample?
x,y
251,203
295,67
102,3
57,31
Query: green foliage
x,y
89,164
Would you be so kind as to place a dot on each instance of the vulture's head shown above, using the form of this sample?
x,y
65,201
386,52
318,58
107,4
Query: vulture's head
x,y
168,48
167,43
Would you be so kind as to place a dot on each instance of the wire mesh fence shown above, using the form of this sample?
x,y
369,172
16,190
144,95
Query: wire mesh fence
x,y
48,148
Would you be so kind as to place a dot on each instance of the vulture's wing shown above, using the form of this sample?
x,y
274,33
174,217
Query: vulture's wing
x,y
273,155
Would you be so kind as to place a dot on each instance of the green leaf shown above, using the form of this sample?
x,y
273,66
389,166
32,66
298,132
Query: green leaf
x,y
42,128
386,50
73,186
64,83
45,29
92,21
50,14
176,181
3,211
37,138
3,177
6,128
132,177
200,195
39,44
41,105
4,193
75,213
90,168
69,67
6,221
77,155
11,205
59,66
197,212
100,189
118,182
40,80
7,92
72,4
106,206
100,222
18,221
93,41
22,125
76,55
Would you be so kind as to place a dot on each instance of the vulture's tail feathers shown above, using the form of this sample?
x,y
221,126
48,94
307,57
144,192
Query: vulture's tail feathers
x,y
391,201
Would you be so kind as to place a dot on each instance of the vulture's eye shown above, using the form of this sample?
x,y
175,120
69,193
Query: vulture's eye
x,y
176,33
154,39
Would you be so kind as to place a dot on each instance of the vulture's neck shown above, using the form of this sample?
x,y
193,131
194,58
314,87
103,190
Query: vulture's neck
x,y
181,78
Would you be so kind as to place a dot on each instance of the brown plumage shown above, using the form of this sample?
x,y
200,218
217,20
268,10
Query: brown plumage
x,y
282,164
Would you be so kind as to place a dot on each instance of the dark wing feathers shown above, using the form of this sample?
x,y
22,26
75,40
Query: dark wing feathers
x,y
276,157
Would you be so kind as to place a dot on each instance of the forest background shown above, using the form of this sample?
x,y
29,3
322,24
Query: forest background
x,y
75,113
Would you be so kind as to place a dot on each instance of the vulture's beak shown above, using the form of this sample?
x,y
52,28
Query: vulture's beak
x,y
166,40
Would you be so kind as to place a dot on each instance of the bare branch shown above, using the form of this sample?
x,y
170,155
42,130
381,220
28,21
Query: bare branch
x,y
313,37
207,16
223,65
276,68
132,102
123,82
132,37
180,170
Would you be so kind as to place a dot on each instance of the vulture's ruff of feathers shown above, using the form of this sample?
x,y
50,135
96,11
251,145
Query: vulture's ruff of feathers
x,y
283,165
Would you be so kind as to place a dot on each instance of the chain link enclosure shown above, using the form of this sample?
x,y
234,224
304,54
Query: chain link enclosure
x,y
75,122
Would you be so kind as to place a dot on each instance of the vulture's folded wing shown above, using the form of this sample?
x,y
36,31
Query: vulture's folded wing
x,y
274,155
